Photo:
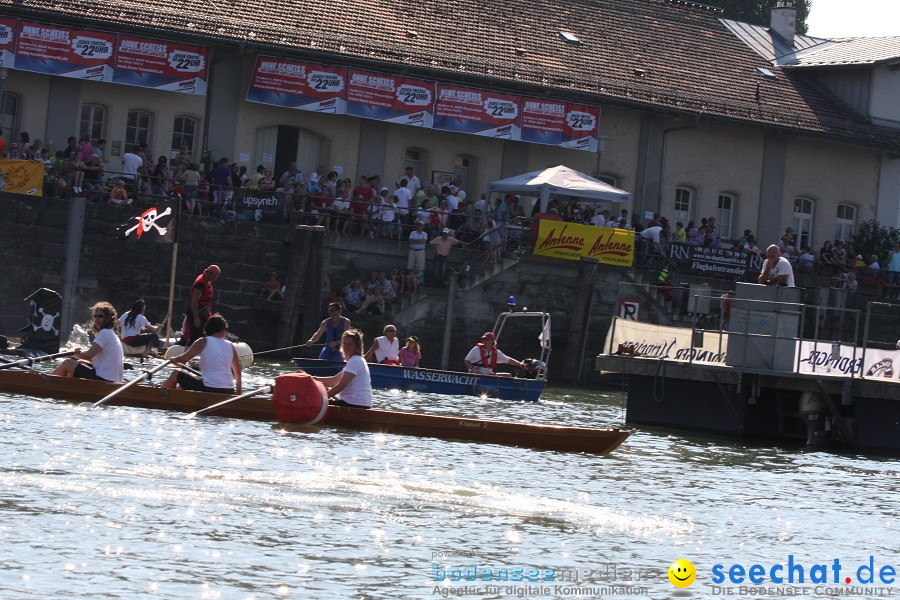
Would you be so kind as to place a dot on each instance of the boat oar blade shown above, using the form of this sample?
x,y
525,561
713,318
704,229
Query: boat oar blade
x,y
135,381
203,411
28,361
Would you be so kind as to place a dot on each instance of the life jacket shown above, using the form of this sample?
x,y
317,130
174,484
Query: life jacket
x,y
206,296
484,359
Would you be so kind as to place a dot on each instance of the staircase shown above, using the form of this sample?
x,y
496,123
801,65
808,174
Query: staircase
x,y
643,284
482,271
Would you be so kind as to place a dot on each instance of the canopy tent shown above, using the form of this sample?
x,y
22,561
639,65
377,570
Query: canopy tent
x,y
560,180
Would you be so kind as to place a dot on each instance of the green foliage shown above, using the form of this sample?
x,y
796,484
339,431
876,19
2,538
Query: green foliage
x,y
758,11
874,238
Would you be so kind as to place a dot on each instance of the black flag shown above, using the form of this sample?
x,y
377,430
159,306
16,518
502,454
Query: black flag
x,y
155,224
41,335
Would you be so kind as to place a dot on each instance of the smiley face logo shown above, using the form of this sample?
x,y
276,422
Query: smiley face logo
x,y
682,573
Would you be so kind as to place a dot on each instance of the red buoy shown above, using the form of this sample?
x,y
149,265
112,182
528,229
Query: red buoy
x,y
298,398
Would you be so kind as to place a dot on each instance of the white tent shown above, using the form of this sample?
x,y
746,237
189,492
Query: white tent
x,y
560,180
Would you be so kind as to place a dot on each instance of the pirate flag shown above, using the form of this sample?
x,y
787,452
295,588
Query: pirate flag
x,y
41,335
155,224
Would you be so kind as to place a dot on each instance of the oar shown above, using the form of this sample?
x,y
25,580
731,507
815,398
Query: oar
x,y
263,390
29,361
135,381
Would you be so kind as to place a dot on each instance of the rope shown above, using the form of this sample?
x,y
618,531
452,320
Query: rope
x,y
287,348
659,381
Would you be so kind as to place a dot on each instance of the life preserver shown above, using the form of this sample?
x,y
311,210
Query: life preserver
x,y
206,296
484,358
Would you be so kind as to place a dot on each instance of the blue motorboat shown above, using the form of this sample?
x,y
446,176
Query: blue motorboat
x,y
524,385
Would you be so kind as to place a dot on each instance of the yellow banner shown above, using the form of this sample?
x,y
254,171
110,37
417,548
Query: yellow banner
x,y
22,176
572,241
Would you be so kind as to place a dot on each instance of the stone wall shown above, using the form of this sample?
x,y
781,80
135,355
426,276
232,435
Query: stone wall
x,y
33,256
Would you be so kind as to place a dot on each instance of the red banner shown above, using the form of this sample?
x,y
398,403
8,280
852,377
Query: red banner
x,y
302,85
161,65
8,28
478,112
63,51
390,98
560,124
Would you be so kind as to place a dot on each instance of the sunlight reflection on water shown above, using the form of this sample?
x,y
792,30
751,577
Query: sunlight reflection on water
x,y
131,502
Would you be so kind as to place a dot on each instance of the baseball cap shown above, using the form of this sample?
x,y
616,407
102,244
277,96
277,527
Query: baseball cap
x,y
488,336
445,230
384,189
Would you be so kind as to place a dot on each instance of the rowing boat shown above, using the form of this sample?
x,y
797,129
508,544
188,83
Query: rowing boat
x,y
526,385
545,437
435,381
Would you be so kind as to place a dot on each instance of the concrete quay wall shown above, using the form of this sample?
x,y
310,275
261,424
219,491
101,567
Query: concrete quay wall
x,y
34,256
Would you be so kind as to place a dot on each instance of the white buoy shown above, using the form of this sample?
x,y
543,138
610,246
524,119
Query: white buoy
x,y
245,354
173,351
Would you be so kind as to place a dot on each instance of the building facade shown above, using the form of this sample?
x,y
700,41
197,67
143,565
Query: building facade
x,y
700,122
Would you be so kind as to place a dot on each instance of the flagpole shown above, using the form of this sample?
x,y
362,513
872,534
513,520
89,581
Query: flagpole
x,y
169,330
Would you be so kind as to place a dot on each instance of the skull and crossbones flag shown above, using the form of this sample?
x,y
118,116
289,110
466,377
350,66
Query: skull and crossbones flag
x,y
154,224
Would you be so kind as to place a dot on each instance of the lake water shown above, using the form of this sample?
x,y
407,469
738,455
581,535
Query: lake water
x,y
133,503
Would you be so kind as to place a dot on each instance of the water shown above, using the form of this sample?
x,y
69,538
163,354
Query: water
x,y
132,503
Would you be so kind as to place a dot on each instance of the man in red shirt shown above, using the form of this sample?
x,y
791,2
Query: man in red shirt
x,y
362,197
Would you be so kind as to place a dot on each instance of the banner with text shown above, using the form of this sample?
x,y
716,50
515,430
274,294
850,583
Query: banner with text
x,y
560,124
659,341
843,360
390,98
479,112
8,29
262,204
56,50
716,261
300,85
571,241
22,176
161,65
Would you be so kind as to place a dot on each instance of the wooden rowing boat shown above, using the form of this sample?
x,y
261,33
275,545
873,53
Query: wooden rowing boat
x,y
545,437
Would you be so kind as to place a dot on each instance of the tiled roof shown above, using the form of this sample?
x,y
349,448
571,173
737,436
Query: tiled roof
x,y
667,55
850,52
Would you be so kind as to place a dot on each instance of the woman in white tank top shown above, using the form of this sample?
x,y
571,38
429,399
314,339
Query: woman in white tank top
x,y
219,362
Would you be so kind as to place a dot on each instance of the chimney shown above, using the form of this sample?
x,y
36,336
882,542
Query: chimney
x,y
784,21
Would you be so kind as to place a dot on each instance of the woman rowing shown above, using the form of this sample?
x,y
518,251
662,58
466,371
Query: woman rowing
x,y
220,365
104,360
353,382
138,331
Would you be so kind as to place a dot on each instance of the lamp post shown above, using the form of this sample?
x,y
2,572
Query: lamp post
x,y
601,148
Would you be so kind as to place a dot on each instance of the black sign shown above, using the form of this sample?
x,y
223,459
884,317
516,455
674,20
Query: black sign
x,y
258,205
706,260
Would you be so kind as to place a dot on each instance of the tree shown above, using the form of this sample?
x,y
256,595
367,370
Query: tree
x,y
758,11
874,238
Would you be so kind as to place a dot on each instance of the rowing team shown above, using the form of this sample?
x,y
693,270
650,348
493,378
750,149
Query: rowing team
x,y
220,365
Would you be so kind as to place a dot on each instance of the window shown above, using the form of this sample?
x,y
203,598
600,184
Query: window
x,y
93,121
724,215
465,168
803,218
183,133
609,179
9,115
845,226
682,210
137,131
417,158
